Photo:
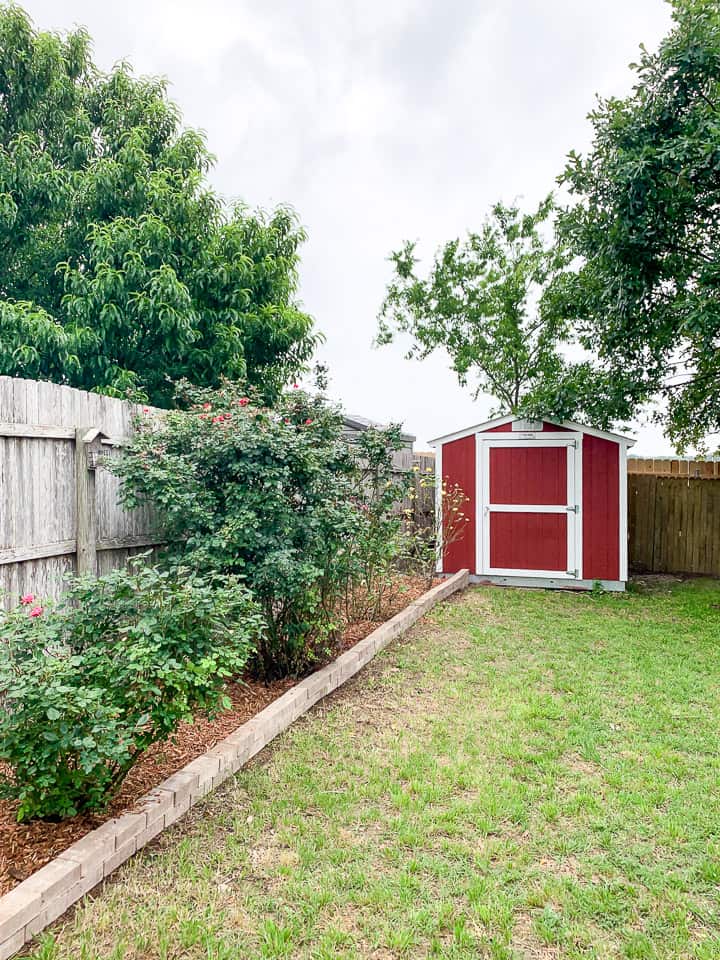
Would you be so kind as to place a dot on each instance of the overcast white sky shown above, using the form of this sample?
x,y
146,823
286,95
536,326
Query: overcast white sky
x,y
379,121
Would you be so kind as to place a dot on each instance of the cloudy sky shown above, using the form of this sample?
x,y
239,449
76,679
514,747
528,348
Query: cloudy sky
x,y
379,121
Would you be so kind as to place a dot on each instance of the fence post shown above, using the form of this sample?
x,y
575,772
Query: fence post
x,y
85,504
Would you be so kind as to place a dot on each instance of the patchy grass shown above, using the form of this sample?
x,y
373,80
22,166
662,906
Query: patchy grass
x,y
530,775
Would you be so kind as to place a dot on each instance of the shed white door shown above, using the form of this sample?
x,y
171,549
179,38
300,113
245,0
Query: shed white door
x,y
531,491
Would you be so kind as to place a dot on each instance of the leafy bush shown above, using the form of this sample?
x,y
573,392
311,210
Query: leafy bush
x,y
275,496
86,687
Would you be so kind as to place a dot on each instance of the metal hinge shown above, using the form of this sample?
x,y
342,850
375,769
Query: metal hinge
x,y
575,509
572,573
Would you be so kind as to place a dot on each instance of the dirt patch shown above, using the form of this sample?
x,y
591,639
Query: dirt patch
x,y
526,941
271,854
26,847
662,582
587,768
569,868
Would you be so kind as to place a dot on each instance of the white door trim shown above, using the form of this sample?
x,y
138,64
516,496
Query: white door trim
x,y
573,443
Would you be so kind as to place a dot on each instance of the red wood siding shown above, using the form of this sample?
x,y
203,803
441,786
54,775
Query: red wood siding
x,y
601,509
528,475
458,467
528,541
547,428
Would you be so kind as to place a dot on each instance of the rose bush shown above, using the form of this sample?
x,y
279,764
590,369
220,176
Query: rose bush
x,y
275,496
87,686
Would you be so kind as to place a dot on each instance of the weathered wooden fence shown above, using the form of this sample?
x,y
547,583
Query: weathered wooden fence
x,y
59,510
424,505
674,524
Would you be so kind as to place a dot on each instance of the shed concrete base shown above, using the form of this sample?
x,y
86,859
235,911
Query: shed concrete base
x,y
614,586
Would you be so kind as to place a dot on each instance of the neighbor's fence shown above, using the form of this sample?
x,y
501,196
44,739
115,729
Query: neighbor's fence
x,y
59,510
675,466
674,524
424,504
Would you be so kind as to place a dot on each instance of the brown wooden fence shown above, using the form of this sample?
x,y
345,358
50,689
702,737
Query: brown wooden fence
x,y
674,524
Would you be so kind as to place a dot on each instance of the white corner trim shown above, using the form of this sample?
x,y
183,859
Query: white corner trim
x,y
41,899
623,532
439,512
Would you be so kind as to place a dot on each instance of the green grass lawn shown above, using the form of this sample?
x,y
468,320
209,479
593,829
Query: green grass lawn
x,y
527,774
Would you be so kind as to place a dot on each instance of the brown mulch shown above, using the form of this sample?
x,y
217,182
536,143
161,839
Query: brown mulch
x,y
25,847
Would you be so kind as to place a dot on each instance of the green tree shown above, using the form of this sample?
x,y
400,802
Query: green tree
x,y
120,269
484,303
646,225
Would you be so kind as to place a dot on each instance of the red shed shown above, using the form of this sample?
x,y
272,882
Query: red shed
x,y
547,503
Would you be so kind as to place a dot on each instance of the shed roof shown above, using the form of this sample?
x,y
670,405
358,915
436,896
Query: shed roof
x,y
567,424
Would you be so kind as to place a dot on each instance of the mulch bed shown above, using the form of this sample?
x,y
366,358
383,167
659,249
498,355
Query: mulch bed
x,y
25,847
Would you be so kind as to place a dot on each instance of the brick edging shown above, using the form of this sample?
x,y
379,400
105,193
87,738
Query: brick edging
x,y
38,901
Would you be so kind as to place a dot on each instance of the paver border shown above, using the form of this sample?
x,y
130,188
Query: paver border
x,y
41,899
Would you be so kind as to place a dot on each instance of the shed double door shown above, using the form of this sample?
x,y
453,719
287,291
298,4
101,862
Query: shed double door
x,y
530,507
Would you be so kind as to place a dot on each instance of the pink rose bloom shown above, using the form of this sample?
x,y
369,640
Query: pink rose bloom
x,y
243,401
36,612
27,598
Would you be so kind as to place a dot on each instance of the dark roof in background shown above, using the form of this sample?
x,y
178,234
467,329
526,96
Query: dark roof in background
x,y
356,424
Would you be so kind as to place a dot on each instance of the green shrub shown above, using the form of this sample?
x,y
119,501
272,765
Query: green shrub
x,y
86,687
275,496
